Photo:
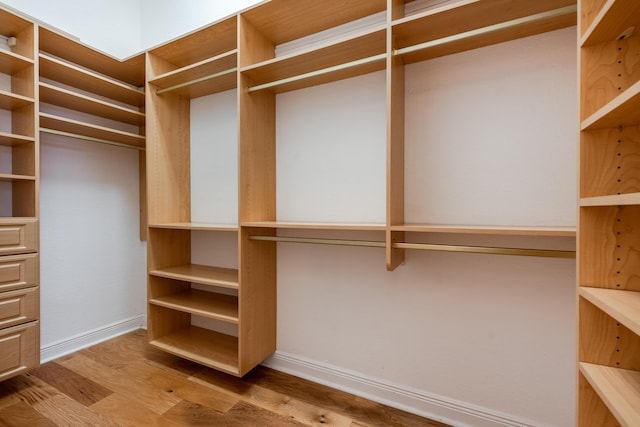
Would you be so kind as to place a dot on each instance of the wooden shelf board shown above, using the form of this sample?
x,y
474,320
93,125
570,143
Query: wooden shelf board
x,y
196,226
202,346
619,389
130,70
212,40
7,177
217,64
202,274
90,81
342,51
316,226
94,131
207,304
621,111
624,306
11,139
281,21
12,101
12,62
468,15
614,18
65,98
11,23
568,231
613,200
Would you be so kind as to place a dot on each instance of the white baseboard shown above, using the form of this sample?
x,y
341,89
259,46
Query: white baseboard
x,y
432,406
89,338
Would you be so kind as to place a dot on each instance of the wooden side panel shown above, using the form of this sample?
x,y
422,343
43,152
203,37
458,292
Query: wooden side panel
x,y
592,412
253,46
610,256
257,299
19,349
604,341
18,271
19,307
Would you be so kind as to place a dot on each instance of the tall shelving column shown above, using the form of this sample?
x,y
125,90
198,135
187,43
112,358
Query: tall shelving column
x,y
609,219
19,202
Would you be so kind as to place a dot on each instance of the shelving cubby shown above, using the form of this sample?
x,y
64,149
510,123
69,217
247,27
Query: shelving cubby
x,y
19,201
608,289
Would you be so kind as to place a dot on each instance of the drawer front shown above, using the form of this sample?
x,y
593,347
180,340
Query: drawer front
x,y
19,349
18,307
18,272
18,237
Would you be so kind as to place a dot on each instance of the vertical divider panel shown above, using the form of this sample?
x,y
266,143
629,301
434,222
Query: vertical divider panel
x,y
257,202
395,140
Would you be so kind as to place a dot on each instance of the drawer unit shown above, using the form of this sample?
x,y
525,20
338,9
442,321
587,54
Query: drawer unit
x,y
19,349
18,236
18,272
18,307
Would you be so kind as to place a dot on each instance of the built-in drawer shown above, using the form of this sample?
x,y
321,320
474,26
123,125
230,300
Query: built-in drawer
x,y
18,236
19,349
18,272
18,307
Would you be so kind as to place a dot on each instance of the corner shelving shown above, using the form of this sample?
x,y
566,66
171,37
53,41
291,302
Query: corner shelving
x,y
609,224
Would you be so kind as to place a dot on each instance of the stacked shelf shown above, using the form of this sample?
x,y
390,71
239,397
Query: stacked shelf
x,y
19,207
608,292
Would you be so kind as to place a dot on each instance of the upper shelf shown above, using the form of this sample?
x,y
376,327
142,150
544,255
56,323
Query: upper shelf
x,y
11,63
196,226
624,306
12,24
281,21
11,140
13,101
130,71
612,200
212,75
72,75
488,229
470,24
315,225
64,98
621,111
613,20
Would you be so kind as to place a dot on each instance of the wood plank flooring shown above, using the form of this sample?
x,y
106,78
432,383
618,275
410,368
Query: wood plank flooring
x,y
125,382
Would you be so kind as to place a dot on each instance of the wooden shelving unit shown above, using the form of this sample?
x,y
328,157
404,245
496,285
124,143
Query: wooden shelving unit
x,y
19,211
608,294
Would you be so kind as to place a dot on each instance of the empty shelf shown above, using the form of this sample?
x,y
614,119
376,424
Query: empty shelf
x,y
202,303
621,111
63,124
12,101
613,200
316,225
196,226
614,18
11,139
624,306
567,231
11,63
205,275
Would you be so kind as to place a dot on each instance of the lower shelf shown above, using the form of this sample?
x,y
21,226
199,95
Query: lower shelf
x,y
209,348
619,389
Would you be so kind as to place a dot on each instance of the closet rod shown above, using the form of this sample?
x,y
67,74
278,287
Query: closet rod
x,y
90,138
491,28
424,246
320,72
198,80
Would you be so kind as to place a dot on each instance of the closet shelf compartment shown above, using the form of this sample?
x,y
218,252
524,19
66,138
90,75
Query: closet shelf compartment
x,y
315,225
615,17
212,75
612,200
209,348
624,306
65,98
621,111
72,75
619,389
11,63
7,177
130,70
11,101
64,124
344,58
466,16
198,226
202,274
12,140
281,21
202,303
568,231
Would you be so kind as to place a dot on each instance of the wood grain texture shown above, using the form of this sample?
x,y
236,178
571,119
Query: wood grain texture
x,y
126,382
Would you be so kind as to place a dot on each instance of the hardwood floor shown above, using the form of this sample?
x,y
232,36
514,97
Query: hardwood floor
x,y
125,382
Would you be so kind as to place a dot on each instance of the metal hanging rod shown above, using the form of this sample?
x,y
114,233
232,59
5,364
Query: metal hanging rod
x,y
91,139
198,80
321,72
424,246
491,28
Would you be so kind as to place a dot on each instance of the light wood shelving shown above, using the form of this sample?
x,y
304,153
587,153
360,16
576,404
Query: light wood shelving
x,y
487,229
206,304
19,229
608,294
206,275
